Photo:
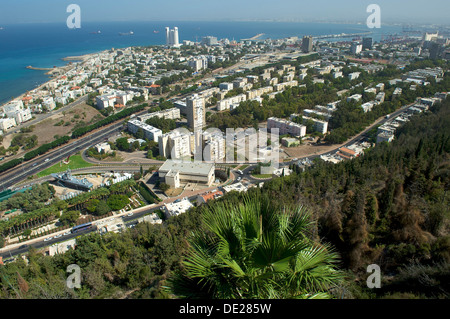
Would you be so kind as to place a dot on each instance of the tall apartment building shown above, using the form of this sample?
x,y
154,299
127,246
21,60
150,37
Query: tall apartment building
x,y
307,44
213,146
356,48
286,127
367,43
196,114
172,37
175,145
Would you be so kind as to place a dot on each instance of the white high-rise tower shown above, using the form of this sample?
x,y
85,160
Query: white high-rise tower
x,y
172,39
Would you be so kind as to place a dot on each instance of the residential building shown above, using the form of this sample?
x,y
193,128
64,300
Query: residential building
x,y
225,86
307,44
230,103
176,208
196,114
204,198
175,145
171,114
367,43
286,127
356,48
319,125
213,146
150,132
209,40
172,39
7,123
353,75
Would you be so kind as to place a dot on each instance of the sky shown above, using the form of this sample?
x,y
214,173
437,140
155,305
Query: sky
x,y
392,11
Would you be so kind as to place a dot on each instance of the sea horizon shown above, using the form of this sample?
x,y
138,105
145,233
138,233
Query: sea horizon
x,y
44,45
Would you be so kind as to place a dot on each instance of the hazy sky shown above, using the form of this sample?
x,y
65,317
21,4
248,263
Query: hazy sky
x,y
404,11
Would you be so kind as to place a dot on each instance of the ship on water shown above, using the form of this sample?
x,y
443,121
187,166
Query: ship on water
x,y
67,180
96,32
126,33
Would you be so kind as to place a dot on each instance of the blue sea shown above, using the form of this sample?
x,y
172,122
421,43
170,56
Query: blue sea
x,y
44,45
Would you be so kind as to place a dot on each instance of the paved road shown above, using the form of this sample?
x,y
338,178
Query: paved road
x,y
28,168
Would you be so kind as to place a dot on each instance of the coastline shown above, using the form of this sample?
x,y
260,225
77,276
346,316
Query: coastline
x,y
55,72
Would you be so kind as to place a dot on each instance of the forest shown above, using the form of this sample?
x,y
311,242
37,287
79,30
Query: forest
x,y
389,207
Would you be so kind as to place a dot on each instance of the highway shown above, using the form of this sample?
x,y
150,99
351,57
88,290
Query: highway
x,y
21,172
28,168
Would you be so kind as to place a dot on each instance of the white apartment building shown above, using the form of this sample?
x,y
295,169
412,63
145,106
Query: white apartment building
x,y
150,132
226,104
367,107
226,86
171,114
12,107
49,103
198,63
353,76
214,147
177,208
7,123
286,127
258,92
356,48
20,116
175,145
319,126
196,113
354,97
284,85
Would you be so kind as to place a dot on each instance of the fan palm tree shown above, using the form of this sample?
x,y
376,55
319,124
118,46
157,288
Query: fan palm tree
x,y
256,249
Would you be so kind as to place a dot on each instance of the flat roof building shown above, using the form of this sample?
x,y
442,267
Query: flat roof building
x,y
177,172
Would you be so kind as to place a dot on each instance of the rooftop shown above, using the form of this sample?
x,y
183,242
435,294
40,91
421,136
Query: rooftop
x,y
191,168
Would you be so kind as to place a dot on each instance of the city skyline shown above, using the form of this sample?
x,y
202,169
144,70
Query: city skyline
x,y
411,12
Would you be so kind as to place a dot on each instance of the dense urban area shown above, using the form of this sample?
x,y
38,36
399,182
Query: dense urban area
x,y
97,169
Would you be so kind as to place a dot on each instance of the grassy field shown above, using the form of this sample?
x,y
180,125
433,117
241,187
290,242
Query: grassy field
x,y
76,161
